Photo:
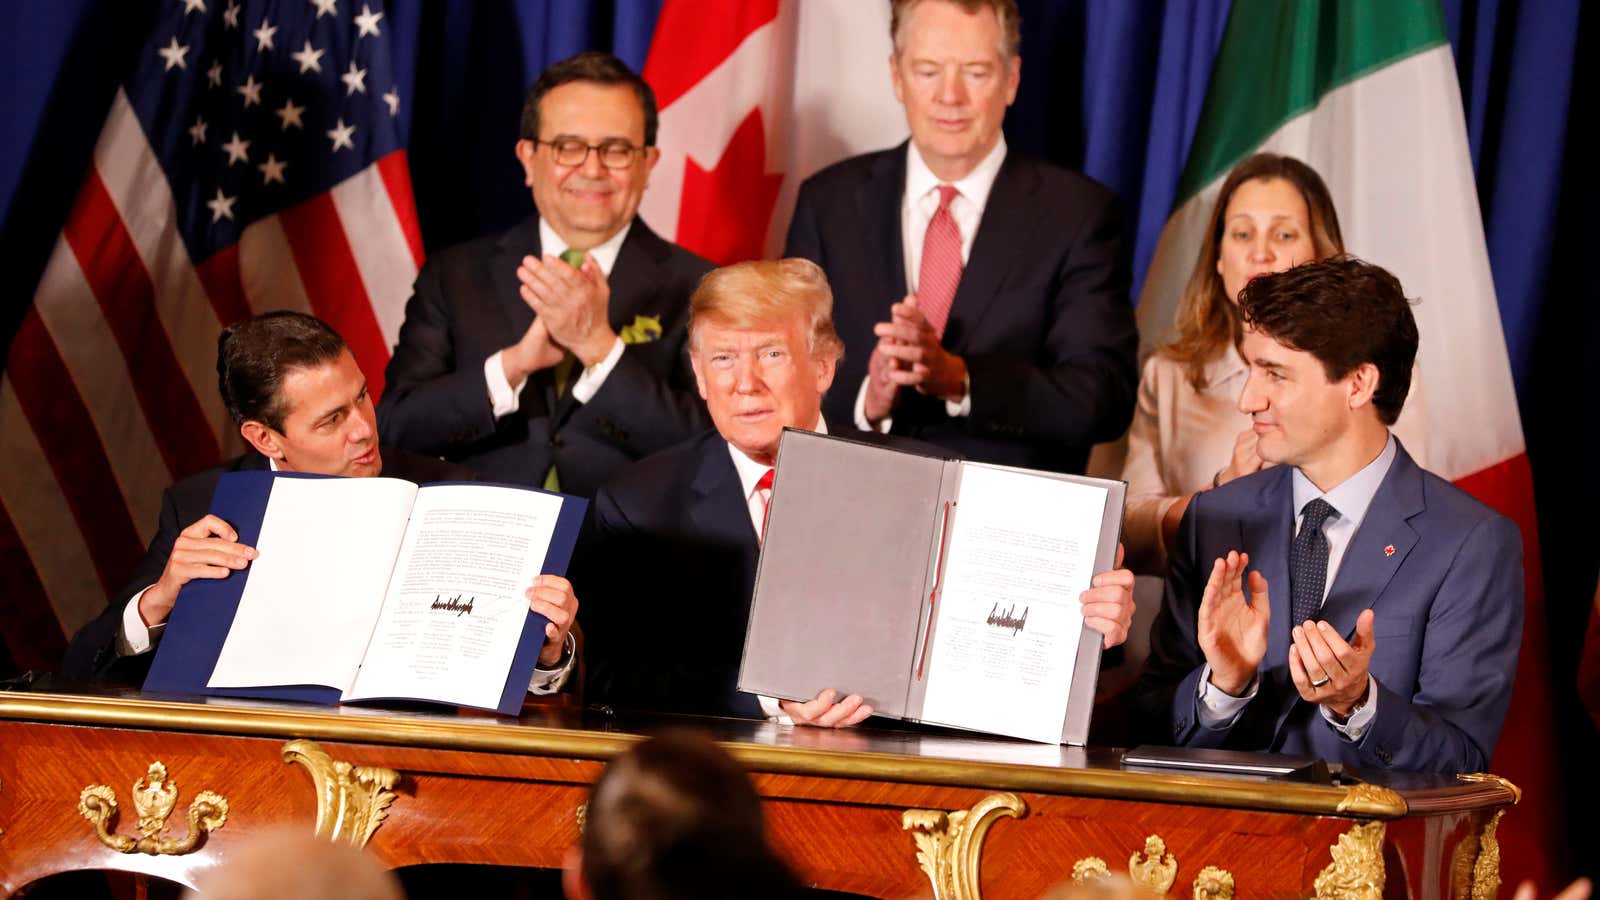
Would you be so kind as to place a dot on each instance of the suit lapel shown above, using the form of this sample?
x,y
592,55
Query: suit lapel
x,y
1368,564
1267,532
879,206
1002,237
716,503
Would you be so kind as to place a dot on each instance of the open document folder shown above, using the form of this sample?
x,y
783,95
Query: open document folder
x,y
942,591
371,588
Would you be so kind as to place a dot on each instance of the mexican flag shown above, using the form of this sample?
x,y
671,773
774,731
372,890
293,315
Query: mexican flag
x,y
1366,92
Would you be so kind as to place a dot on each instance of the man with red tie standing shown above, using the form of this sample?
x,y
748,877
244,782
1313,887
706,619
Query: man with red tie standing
x,y
1015,340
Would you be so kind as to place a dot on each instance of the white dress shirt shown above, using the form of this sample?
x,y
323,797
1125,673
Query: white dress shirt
x,y
135,638
1351,498
756,500
505,397
918,203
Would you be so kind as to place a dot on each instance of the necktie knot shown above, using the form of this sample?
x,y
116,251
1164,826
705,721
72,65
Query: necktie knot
x,y
572,257
1316,512
765,484
947,192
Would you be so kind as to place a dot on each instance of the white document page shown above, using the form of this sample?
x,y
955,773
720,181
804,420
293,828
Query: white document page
x,y
1021,551
456,604
327,546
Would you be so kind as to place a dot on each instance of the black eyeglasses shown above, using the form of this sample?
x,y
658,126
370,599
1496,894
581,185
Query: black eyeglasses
x,y
569,151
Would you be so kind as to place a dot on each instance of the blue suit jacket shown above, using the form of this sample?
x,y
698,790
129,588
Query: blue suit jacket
x,y
1448,607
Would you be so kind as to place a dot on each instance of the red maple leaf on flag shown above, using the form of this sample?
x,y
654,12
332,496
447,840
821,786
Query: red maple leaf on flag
x,y
726,210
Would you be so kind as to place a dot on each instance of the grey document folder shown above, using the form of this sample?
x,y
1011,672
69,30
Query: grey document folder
x,y
849,578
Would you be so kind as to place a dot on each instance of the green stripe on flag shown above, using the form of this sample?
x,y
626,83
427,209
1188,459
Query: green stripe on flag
x,y
1279,57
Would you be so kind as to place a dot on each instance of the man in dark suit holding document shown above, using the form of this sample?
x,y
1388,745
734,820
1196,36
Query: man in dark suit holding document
x,y
669,560
1381,616
301,402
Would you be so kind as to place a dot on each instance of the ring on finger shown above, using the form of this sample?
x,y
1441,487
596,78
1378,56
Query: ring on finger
x,y
1321,681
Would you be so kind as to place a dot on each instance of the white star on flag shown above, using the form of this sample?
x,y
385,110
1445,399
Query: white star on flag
x,y
341,134
230,16
190,6
197,131
264,35
272,170
290,114
354,80
238,151
310,58
173,53
393,99
222,207
326,8
367,22
214,74
251,89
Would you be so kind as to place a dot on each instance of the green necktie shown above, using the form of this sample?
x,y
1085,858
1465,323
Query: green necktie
x,y
563,371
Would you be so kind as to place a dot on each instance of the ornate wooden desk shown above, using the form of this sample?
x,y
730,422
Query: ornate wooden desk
x,y
166,787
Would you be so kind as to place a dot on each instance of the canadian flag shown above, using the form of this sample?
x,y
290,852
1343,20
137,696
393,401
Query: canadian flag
x,y
755,96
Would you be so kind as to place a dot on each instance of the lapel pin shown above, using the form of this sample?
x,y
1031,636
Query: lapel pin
x,y
1389,550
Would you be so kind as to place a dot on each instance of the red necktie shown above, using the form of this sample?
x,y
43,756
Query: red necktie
x,y
940,271
764,488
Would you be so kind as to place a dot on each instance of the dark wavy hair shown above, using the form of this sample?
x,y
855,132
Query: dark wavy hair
x,y
1345,312
255,355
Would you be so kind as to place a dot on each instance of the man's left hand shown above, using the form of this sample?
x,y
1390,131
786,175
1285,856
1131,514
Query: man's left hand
x,y
572,302
1108,604
923,363
1327,670
826,711
551,596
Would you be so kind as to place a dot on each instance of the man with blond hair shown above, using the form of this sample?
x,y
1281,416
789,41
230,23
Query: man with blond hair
x,y
669,561
982,295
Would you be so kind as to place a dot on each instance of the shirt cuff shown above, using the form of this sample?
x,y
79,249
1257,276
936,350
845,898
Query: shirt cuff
x,y
1355,726
1218,709
861,413
771,709
958,409
135,637
549,681
588,384
503,395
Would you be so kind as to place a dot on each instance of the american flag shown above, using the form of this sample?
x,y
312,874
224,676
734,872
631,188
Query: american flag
x,y
253,160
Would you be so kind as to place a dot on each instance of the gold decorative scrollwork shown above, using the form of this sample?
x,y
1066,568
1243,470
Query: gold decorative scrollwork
x,y
352,801
154,797
1213,884
582,815
1516,792
1090,868
1356,872
950,844
1153,873
1371,800
1475,863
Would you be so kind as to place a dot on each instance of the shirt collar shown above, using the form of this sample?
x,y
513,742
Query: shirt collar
x,y
751,471
974,187
604,255
1354,495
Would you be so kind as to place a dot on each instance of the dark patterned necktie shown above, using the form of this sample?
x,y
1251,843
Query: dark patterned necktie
x,y
1308,562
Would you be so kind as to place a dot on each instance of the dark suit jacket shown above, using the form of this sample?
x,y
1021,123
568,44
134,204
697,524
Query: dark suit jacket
x,y
1448,606
465,307
1041,316
92,654
666,570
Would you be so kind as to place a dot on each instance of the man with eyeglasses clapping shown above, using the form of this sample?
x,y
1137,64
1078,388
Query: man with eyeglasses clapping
x,y
553,353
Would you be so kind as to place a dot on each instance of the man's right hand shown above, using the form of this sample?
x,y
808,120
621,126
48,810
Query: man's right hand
x,y
536,350
207,549
1233,632
879,400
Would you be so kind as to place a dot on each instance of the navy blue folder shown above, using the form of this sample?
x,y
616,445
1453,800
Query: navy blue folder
x,y
204,613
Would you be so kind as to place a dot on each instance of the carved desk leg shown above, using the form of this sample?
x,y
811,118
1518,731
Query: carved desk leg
x,y
950,844
1356,872
352,801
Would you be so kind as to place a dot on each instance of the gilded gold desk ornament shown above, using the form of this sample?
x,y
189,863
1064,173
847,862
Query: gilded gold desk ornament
x,y
1356,872
352,801
1213,884
1090,868
950,844
154,797
1157,870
